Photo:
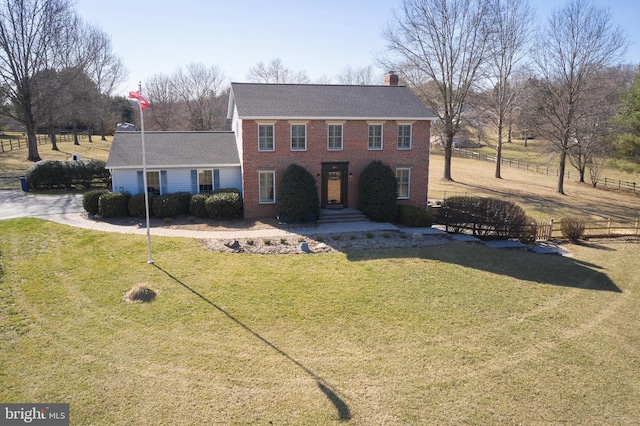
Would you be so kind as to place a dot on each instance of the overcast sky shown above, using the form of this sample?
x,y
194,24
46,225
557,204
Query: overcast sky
x,y
320,37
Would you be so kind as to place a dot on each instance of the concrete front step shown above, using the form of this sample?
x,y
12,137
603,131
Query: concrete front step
x,y
341,215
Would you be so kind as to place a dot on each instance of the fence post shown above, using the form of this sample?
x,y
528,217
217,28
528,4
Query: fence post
x,y
637,227
608,227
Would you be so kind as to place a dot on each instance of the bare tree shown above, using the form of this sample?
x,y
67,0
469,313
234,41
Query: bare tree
x,y
359,76
440,42
107,72
509,39
200,89
276,72
580,40
160,91
32,37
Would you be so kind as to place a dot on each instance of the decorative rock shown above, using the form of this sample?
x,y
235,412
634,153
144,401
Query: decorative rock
x,y
304,247
233,245
322,246
417,237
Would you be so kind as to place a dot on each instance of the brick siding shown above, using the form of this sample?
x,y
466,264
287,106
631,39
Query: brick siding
x,y
355,151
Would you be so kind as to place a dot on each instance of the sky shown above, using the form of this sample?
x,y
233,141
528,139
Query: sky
x,y
321,37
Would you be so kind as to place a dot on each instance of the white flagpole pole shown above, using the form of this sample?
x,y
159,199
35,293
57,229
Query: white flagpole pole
x,y
144,178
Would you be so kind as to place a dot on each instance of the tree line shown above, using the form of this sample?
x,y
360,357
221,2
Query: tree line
x,y
55,69
482,64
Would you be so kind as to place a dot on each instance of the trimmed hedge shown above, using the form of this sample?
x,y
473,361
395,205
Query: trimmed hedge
x,y
168,205
90,200
297,198
114,204
197,206
223,205
486,217
137,206
51,174
414,216
377,196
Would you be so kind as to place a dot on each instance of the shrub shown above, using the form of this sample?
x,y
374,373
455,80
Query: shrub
x,y
50,174
485,217
377,192
197,205
572,228
224,205
166,205
136,205
114,204
184,200
414,216
90,200
297,198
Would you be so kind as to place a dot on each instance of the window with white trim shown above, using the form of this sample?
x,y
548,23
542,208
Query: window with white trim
x,y
265,137
335,137
205,180
298,137
153,183
404,136
267,187
375,136
403,176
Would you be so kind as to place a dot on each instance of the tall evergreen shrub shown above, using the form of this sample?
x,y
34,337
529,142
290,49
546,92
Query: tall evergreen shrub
x,y
377,192
297,197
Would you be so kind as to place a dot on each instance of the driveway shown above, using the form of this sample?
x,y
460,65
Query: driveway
x,y
14,204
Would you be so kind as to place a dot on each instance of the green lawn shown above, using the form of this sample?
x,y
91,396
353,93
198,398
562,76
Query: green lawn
x,y
455,334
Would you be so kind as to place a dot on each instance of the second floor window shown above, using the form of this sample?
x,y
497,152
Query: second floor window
x,y
298,137
265,137
335,137
404,136
375,136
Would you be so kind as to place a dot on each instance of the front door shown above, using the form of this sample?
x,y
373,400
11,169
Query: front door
x,y
334,185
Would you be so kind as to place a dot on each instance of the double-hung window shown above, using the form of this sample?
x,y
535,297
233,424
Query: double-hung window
x,y
404,136
267,193
335,137
298,137
265,137
375,136
205,180
153,183
403,177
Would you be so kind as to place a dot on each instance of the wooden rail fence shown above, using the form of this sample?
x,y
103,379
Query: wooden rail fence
x,y
545,170
593,228
12,144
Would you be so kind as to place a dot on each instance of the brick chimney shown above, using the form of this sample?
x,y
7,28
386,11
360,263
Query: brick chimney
x,y
391,79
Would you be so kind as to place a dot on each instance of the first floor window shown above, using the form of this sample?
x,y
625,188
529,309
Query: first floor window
x,y
267,187
404,136
153,183
265,137
205,180
402,176
335,137
298,137
375,136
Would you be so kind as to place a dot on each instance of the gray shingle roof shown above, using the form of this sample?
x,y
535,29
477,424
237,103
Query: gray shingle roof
x,y
256,100
173,149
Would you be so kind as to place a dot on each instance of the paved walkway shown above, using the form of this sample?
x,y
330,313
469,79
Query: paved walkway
x,y
67,209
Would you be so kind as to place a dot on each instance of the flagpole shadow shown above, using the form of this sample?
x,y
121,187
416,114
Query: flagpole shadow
x,y
344,413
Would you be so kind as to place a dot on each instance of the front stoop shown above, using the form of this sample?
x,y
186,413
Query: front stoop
x,y
340,216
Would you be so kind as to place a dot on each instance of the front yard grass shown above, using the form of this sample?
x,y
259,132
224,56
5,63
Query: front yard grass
x,y
452,334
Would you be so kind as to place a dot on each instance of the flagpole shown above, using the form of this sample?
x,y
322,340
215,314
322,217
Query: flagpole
x,y
144,178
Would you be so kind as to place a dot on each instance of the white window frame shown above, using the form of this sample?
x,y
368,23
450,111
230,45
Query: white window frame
x,y
404,125
304,136
407,183
329,147
213,184
369,138
271,200
156,172
273,137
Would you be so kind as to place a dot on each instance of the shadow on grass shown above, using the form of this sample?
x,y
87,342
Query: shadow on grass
x,y
541,268
344,413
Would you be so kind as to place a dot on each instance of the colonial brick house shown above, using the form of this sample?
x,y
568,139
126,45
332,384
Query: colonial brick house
x,y
334,131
